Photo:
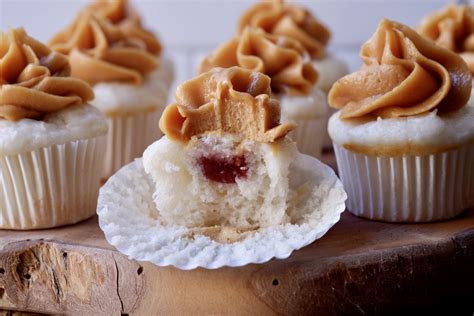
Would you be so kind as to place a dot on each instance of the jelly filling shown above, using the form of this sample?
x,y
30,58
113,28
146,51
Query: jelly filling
x,y
223,169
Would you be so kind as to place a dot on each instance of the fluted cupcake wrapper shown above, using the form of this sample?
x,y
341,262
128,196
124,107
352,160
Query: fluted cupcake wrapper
x,y
408,188
51,186
128,137
309,135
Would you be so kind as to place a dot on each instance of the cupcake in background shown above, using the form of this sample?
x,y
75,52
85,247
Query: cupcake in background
x,y
293,80
52,142
404,138
288,19
452,28
108,48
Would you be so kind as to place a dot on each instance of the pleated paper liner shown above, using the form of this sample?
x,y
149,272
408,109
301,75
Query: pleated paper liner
x,y
131,223
52,186
128,137
408,188
309,136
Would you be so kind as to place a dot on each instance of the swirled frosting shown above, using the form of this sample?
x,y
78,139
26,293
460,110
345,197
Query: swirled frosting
x,y
453,28
35,80
283,59
281,18
403,74
100,51
232,100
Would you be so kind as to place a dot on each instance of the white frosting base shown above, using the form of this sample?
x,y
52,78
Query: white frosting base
x,y
113,97
330,69
307,107
70,124
424,130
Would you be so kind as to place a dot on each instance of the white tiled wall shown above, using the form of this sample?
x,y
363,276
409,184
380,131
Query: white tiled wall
x,y
192,28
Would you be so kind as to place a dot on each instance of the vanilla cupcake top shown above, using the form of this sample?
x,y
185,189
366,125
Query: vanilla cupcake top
x,y
403,75
281,18
34,80
452,28
107,43
232,100
283,59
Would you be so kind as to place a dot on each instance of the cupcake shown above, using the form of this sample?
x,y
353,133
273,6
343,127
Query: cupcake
x,y
108,47
224,186
404,138
51,142
452,28
288,19
293,79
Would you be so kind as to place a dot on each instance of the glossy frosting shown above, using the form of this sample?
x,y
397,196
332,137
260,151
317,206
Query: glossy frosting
x,y
281,18
281,58
453,28
34,80
233,100
100,51
403,74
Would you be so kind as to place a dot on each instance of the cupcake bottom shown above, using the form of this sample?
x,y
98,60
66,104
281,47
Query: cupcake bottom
x,y
309,135
52,186
128,137
408,188
327,141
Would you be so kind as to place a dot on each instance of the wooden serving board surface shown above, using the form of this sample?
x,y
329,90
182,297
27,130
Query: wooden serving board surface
x,y
358,267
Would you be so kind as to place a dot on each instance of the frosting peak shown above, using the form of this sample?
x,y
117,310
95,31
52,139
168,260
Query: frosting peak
x,y
452,28
281,18
101,51
283,59
233,100
35,80
403,74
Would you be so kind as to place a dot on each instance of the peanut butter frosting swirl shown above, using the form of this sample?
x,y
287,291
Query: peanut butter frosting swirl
x,y
403,74
35,80
100,51
453,28
283,59
281,18
232,100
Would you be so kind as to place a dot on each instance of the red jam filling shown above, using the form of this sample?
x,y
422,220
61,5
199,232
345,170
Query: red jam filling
x,y
223,170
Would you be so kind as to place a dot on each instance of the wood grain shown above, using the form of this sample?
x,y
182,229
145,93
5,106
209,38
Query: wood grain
x,y
359,267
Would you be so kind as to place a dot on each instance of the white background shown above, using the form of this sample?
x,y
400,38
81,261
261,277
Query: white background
x,y
189,29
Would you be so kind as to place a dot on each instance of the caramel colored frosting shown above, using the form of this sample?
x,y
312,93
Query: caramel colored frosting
x,y
100,51
279,57
232,100
35,80
281,18
453,28
403,74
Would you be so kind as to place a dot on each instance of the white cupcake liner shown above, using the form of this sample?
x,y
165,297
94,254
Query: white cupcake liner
x,y
309,135
128,137
51,186
131,223
408,188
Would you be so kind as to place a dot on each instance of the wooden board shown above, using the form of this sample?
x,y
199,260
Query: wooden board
x,y
359,267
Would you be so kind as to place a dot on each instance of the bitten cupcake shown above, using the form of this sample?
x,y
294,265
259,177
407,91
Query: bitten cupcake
x,y
288,19
52,142
293,79
224,186
108,48
404,137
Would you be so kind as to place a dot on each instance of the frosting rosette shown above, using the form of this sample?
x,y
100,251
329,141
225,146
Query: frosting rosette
x,y
282,58
233,100
100,51
403,74
453,28
34,80
280,18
